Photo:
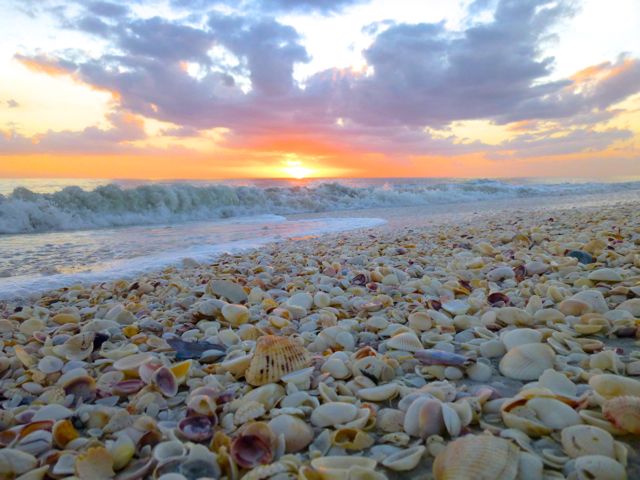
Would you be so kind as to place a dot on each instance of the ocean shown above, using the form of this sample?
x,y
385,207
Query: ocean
x,y
58,232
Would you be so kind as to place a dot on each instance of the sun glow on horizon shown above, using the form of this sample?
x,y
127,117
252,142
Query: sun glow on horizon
x,y
295,169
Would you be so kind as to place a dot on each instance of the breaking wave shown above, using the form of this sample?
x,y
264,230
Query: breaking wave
x,y
72,208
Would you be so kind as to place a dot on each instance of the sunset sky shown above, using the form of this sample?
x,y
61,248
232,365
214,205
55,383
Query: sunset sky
x,y
292,88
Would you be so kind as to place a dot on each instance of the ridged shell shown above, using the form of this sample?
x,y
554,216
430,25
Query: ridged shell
x,y
580,440
478,457
407,341
527,362
275,357
624,413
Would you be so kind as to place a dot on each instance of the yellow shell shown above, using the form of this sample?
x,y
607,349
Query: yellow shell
x,y
96,463
275,357
480,457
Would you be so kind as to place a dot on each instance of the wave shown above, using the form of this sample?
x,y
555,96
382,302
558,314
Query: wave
x,y
73,208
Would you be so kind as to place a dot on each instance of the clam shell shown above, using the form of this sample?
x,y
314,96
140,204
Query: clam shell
x,y
527,362
379,393
95,463
424,418
520,336
166,381
405,460
78,347
253,444
297,433
196,428
609,386
50,364
599,467
275,357
478,457
334,413
14,463
580,440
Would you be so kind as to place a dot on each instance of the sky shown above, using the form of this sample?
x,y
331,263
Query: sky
x,y
207,89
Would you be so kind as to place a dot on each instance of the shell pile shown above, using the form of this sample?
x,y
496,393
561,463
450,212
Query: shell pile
x,y
500,349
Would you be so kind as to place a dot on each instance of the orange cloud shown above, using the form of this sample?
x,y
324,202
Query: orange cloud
x,y
42,65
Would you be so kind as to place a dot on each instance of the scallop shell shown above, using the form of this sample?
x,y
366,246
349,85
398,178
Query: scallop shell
x,y
275,357
624,413
527,362
580,440
478,457
406,341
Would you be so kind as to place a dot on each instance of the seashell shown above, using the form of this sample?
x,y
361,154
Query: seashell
x,y
275,357
131,363
595,418
624,413
632,306
514,316
456,307
189,350
168,450
35,443
341,468
82,387
609,386
405,460
253,445
375,368
50,364
297,433
95,463
236,366
527,362
137,469
202,404
351,438
301,379
520,336
580,440
127,387
122,451
196,428
248,411
333,413
337,368
605,275
440,357
553,413
479,372
236,315
419,321
390,420
477,456
78,347
558,383
227,290
406,341
599,467
379,393
51,412
268,395
424,418
180,370
14,463
165,380
63,432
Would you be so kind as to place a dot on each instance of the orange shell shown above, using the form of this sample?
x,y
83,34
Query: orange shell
x,y
275,357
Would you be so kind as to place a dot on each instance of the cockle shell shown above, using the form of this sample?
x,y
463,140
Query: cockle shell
x,y
624,413
527,362
406,341
275,357
477,456
580,440
424,418
196,428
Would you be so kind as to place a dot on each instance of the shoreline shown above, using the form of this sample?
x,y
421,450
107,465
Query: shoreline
x,y
474,288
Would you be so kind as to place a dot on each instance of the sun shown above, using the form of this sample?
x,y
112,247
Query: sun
x,y
295,169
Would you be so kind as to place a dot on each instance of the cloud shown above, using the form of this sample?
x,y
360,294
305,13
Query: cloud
x,y
226,70
271,6
11,103
124,128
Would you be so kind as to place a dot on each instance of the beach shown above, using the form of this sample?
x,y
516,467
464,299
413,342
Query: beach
x,y
468,343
